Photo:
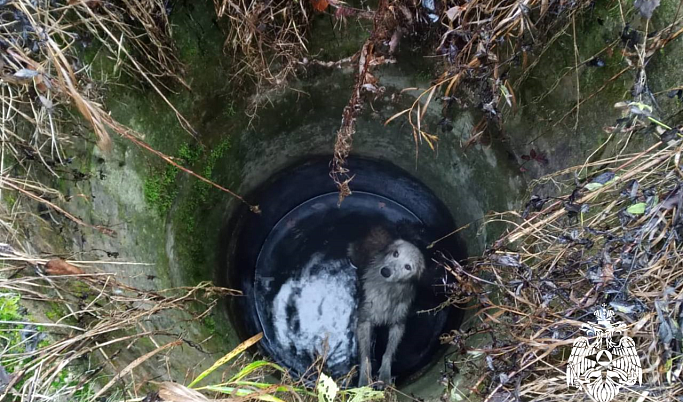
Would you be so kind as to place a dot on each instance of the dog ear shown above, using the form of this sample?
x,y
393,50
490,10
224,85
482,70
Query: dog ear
x,y
415,233
421,266
378,239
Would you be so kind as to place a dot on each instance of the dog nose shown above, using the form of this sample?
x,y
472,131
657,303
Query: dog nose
x,y
386,272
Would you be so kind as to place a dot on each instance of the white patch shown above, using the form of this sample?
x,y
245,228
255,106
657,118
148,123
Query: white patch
x,y
316,309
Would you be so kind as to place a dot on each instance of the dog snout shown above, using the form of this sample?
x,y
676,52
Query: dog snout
x,y
386,272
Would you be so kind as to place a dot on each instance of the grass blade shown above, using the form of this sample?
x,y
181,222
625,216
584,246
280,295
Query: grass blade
x,y
252,367
231,355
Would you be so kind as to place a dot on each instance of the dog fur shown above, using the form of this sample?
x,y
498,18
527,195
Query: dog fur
x,y
390,268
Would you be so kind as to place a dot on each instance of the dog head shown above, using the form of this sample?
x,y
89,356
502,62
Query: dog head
x,y
401,261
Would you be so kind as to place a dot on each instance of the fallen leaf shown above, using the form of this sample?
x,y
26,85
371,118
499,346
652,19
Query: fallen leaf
x,y
25,73
621,105
603,178
395,39
506,260
453,12
41,83
172,392
327,389
58,266
607,273
593,186
320,5
637,209
623,307
46,102
370,88
584,301
544,7
666,331
363,394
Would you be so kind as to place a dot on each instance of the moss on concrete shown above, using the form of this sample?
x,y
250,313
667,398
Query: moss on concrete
x,y
549,120
195,237
11,335
329,44
160,185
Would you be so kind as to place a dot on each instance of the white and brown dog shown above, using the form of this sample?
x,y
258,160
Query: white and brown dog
x,y
389,269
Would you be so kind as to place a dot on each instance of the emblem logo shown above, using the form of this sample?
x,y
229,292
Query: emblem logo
x,y
601,366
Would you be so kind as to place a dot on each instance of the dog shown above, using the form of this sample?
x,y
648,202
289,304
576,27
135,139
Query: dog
x,y
389,269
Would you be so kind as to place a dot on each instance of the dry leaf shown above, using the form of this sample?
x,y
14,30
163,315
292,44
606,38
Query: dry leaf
x,y
46,102
320,5
607,274
544,7
172,392
453,12
393,43
25,73
584,301
41,83
61,267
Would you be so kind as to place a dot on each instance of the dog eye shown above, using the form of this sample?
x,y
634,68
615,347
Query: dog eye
x,y
407,266
396,254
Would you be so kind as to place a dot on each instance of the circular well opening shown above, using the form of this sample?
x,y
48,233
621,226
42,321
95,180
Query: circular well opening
x,y
301,289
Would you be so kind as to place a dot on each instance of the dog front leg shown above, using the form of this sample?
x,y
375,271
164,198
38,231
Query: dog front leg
x,y
395,335
364,336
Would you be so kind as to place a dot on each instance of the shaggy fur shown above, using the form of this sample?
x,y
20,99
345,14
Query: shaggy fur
x,y
389,270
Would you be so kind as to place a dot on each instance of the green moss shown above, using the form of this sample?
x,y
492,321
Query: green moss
x,y
79,288
84,393
66,379
160,189
332,44
216,153
10,200
53,315
160,186
230,110
56,311
10,336
210,323
193,245
188,154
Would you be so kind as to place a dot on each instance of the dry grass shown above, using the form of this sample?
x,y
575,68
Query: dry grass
x,y
42,73
481,40
543,279
267,40
44,80
45,94
100,315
